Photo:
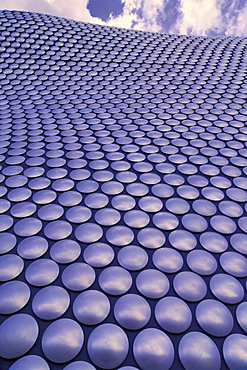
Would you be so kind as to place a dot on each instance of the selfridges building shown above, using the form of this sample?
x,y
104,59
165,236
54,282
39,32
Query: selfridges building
x,y
123,162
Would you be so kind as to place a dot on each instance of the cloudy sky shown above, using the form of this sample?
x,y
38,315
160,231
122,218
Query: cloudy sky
x,y
190,17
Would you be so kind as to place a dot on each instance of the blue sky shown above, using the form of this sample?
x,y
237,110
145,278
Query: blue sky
x,y
193,17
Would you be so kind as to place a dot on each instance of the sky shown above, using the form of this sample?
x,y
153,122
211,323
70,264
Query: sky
x,y
186,17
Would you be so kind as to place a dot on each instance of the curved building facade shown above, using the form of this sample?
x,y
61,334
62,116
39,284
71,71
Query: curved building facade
x,y
123,164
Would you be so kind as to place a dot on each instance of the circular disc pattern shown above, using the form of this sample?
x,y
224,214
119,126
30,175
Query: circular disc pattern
x,y
14,296
214,317
152,283
123,168
132,311
56,343
18,334
108,346
173,314
91,307
234,351
152,347
197,350
50,302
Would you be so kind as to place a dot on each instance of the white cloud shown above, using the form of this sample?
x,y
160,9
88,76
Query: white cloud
x,y
73,9
149,10
238,26
28,5
199,16
77,9
242,23
203,17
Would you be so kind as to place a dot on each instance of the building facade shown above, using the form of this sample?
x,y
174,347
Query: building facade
x,y
122,198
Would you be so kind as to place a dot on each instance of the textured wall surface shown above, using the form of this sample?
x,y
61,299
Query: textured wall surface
x,y
122,198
